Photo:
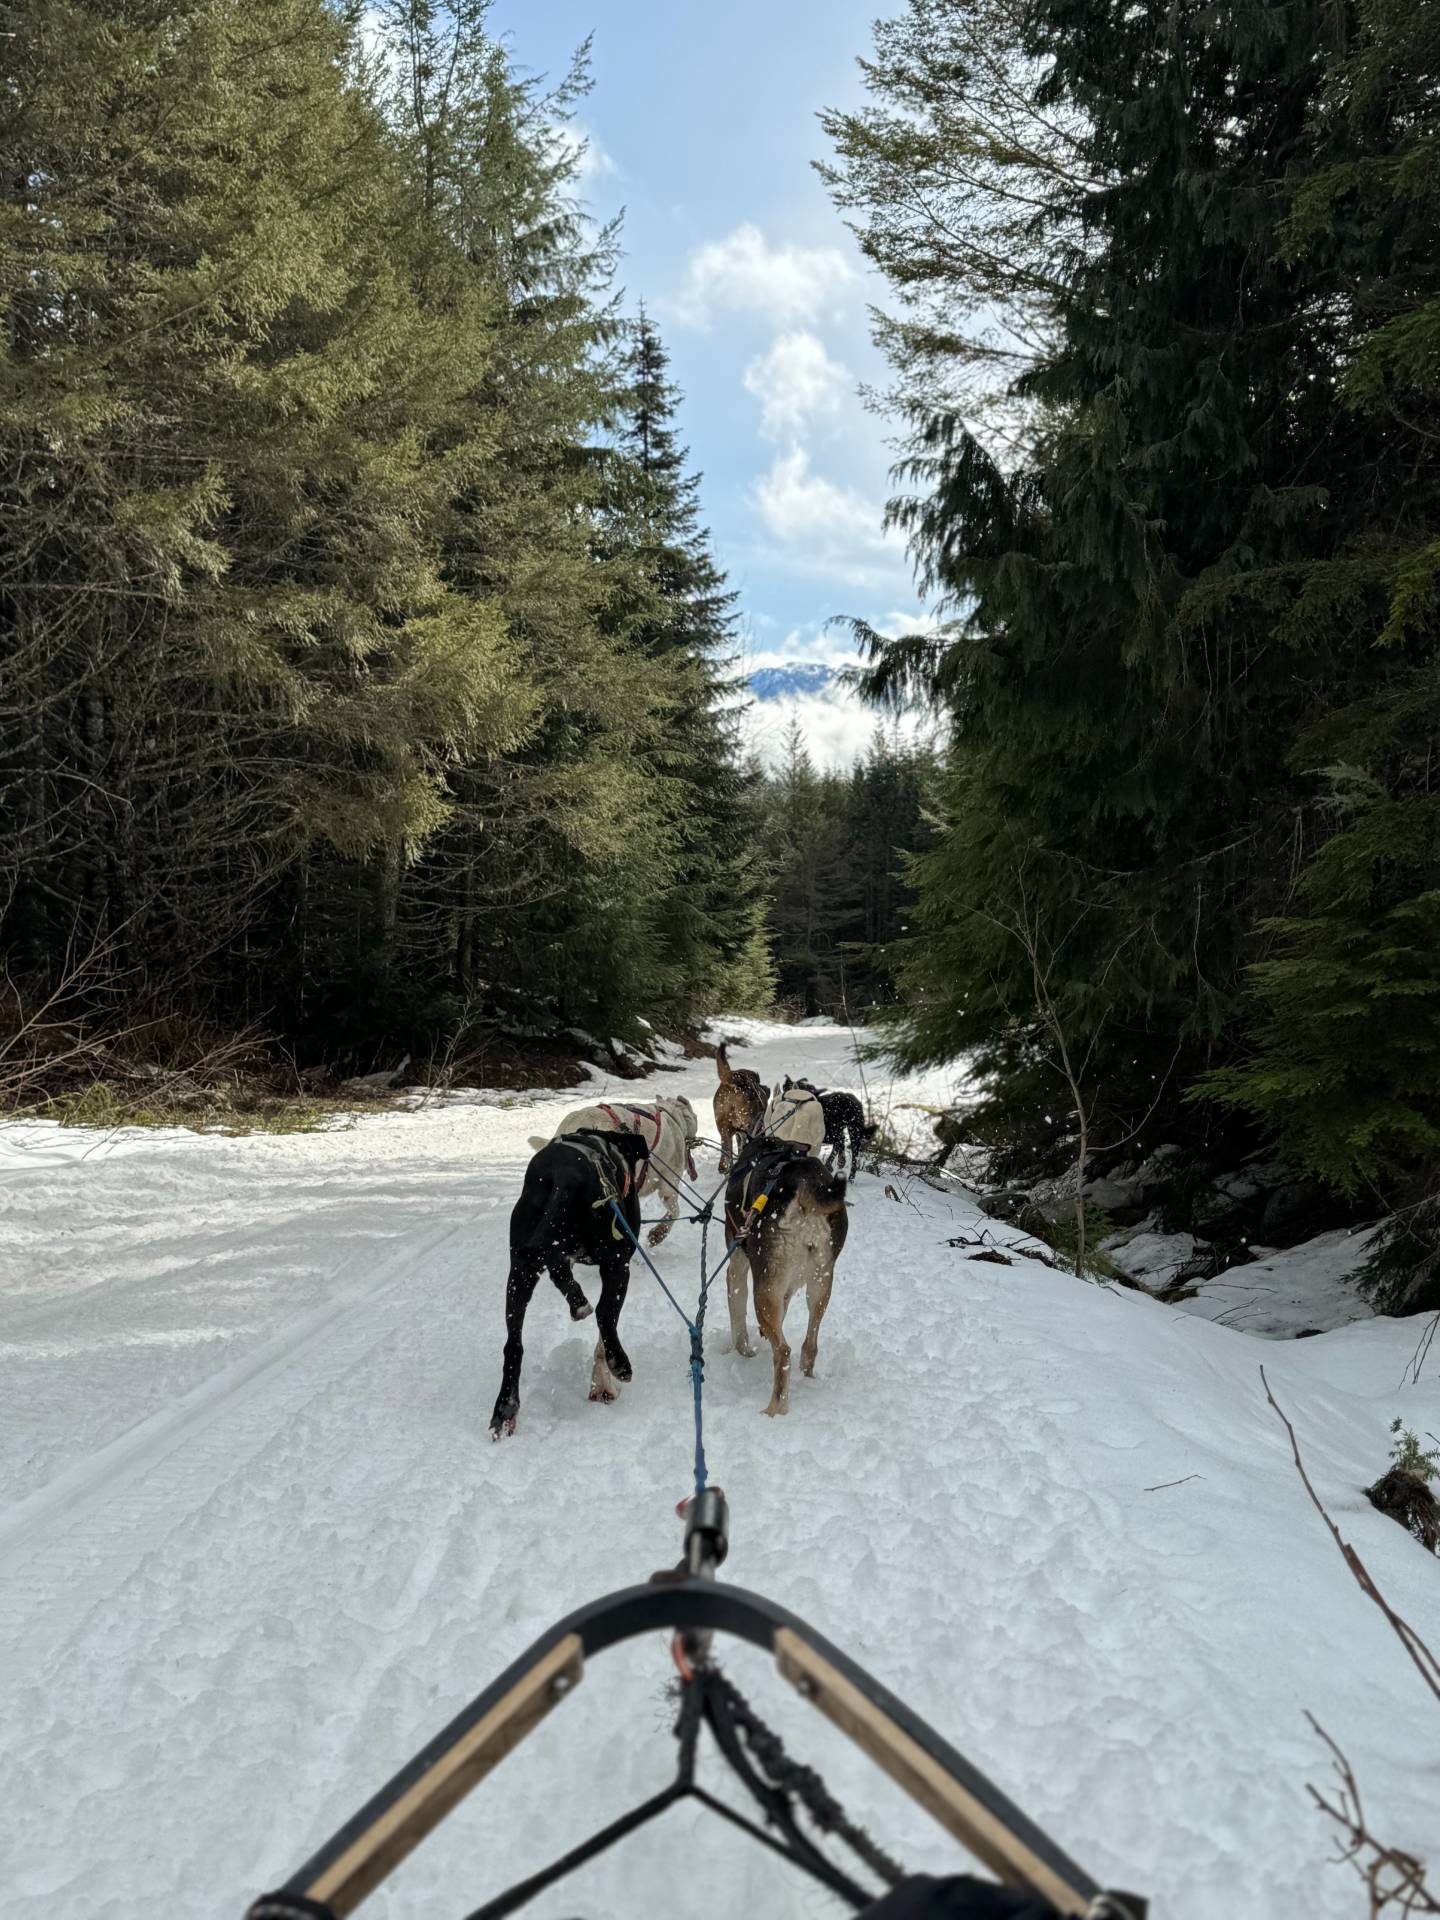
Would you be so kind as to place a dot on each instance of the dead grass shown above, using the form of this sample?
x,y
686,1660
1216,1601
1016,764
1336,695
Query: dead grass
x,y
104,1106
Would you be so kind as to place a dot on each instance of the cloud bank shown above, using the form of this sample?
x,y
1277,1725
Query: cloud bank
x,y
743,273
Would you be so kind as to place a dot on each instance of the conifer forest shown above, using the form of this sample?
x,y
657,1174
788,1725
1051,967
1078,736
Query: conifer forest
x,y
368,675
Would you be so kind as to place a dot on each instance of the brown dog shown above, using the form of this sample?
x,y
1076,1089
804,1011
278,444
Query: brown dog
x,y
740,1101
793,1241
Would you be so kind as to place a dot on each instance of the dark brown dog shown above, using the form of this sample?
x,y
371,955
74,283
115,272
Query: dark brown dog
x,y
740,1101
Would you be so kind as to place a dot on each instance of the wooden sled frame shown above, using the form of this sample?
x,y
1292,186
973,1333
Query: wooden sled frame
x,y
373,1843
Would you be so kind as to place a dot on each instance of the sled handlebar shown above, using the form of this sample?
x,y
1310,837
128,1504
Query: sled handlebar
x,y
334,1881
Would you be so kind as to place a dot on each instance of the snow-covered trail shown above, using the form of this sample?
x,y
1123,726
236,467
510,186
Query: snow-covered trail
x,y
257,1546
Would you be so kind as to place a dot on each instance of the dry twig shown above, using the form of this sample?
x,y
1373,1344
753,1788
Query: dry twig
x,y
1392,1877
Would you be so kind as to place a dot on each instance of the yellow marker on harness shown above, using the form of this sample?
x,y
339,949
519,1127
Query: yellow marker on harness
x,y
761,1202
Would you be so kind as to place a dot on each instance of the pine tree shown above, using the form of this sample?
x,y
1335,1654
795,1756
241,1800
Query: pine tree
x,y
1117,671
232,644
711,911
1343,1054
516,903
363,666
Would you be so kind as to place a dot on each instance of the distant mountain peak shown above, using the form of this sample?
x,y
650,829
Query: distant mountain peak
x,y
799,677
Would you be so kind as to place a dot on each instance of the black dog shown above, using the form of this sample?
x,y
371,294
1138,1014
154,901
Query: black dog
x,y
564,1213
845,1125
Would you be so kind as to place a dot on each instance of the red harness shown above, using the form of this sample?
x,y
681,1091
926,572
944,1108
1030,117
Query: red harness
x,y
641,1114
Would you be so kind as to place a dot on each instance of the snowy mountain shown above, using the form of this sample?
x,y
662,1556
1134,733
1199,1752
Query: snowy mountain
x,y
785,683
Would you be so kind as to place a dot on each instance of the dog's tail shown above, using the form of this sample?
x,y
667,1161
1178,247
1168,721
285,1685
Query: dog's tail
x,y
817,1190
869,1130
726,1076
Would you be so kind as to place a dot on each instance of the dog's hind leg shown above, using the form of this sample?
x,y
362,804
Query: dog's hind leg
x,y
524,1277
817,1298
737,1286
614,1284
562,1274
770,1313
603,1384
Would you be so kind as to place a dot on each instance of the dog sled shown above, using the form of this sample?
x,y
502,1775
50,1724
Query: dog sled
x,y
799,1821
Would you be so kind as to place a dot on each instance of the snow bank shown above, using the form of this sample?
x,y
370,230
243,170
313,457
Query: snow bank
x,y
258,1546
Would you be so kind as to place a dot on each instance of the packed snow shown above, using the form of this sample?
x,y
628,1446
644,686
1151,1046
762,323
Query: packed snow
x,y
257,1545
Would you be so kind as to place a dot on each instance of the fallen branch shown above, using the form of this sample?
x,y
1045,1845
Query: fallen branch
x,y
1392,1877
1422,1352
1426,1664
1161,1485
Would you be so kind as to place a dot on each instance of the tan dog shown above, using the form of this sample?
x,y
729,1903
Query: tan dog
x,y
792,1242
667,1126
739,1102
795,1113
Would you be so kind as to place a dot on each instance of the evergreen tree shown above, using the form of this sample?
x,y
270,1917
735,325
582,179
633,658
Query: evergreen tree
x,y
711,912
362,662
229,642
1343,1054
835,847
1121,681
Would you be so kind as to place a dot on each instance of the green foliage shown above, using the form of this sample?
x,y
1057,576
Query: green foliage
x,y
1346,1067
1401,1273
1187,558
364,653
834,849
1408,1456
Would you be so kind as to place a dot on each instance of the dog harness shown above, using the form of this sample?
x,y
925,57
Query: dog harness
x,y
641,1114
761,1165
592,1145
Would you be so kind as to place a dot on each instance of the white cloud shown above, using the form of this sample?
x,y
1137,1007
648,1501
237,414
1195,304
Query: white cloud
x,y
895,626
744,273
798,505
592,161
796,383
837,727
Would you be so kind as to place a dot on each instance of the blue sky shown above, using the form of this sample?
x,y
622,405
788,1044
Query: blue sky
x,y
703,127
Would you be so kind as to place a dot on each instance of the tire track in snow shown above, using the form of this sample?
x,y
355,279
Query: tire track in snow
x,y
69,1545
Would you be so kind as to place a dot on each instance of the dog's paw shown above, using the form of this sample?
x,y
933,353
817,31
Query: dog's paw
x,y
746,1349
502,1427
772,1412
604,1395
582,1312
657,1233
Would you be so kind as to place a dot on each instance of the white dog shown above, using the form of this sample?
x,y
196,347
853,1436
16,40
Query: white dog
x,y
669,1128
795,1113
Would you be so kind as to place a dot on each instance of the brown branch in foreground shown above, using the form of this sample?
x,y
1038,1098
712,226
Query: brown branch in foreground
x,y
1426,1663
1392,1877
1422,1351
